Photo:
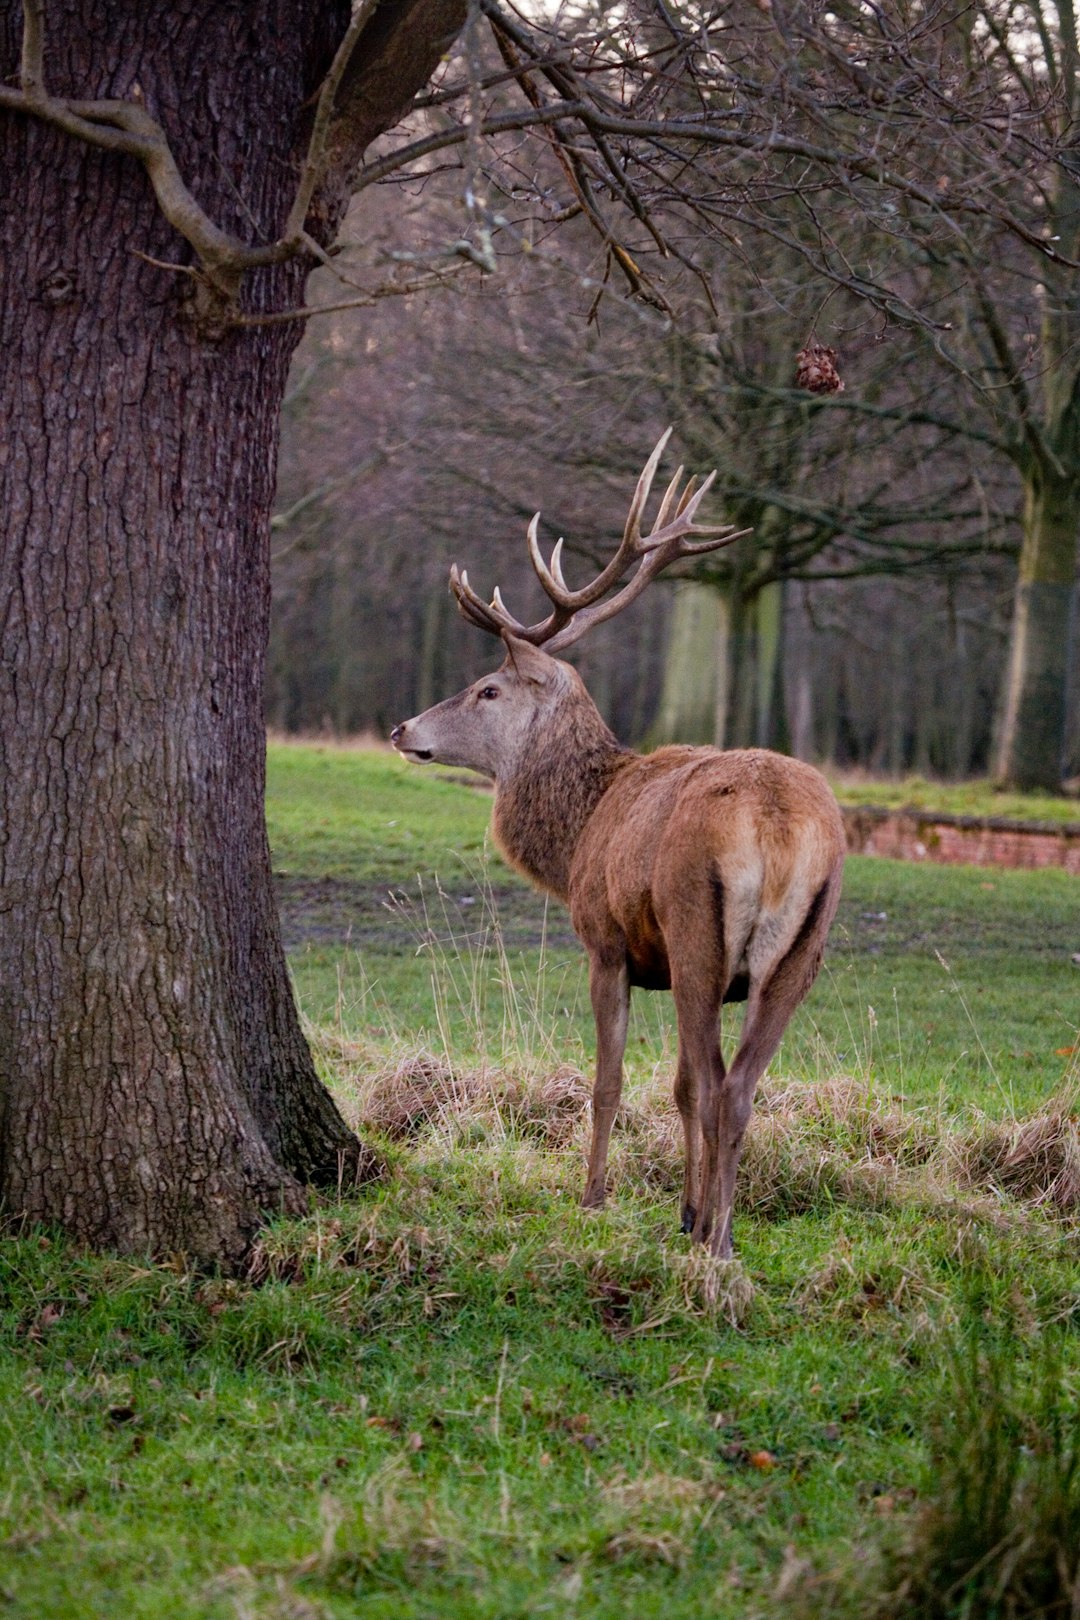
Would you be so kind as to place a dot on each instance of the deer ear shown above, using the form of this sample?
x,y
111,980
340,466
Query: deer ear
x,y
527,661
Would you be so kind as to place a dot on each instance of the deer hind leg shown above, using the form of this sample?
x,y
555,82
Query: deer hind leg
x,y
699,1081
693,925
772,1000
687,1102
609,989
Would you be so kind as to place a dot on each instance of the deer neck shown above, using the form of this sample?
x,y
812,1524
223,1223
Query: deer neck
x,y
542,807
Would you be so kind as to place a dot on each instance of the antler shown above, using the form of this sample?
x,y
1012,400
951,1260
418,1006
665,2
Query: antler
x,y
574,612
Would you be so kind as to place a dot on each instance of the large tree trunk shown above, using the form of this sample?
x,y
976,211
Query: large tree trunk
x,y
155,1090
1033,726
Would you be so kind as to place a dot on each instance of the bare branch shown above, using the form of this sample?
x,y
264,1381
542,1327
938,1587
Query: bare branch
x,y
127,128
315,163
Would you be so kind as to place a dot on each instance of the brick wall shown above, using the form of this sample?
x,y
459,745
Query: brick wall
x,y
915,835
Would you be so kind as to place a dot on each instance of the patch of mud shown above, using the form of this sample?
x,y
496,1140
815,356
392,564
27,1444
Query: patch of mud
x,y
339,912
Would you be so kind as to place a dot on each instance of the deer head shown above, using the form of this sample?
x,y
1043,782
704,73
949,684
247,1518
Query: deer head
x,y
487,726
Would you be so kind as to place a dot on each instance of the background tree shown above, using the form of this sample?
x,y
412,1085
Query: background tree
x,y
949,135
519,404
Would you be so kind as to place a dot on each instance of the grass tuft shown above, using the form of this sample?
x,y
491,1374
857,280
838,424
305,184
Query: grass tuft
x,y
997,1531
1035,1160
458,1393
810,1145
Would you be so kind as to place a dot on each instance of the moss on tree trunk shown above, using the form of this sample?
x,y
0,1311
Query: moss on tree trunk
x,y
1033,724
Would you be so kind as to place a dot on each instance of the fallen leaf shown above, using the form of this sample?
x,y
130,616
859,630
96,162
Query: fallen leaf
x,y
763,1460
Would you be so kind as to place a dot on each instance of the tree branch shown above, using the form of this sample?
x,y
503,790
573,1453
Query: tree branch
x,y
317,155
128,129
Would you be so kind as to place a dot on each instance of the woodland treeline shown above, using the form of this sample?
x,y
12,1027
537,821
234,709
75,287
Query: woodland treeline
x,y
908,528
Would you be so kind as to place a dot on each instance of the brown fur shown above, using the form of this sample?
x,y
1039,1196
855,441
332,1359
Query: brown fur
x,y
715,874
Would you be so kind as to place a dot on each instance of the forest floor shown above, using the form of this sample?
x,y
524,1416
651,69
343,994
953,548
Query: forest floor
x,y
458,1394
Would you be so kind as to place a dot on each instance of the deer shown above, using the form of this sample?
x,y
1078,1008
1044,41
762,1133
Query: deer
x,y
712,873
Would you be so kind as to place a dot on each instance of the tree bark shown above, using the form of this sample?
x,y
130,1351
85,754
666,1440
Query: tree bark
x,y
156,1093
1033,725
770,624
687,710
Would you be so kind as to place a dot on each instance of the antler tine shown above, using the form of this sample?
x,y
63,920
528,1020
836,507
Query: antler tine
x,y
670,498
551,575
490,616
683,520
722,537
686,497
632,545
632,531
556,566
496,618
674,534
550,578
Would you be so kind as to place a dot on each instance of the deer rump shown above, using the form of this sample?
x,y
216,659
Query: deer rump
x,y
702,864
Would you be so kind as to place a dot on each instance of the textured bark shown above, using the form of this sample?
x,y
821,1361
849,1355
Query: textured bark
x,y
155,1089
1033,727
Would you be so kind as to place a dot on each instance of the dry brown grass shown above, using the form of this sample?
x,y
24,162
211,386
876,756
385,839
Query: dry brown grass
x,y
808,1144
420,1091
1036,1161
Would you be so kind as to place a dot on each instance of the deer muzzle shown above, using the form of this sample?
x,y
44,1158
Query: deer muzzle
x,y
401,741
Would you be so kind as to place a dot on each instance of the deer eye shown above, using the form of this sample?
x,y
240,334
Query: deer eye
x,y
490,692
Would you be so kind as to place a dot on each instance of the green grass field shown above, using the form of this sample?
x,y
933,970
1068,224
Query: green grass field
x,y
460,1395
976,798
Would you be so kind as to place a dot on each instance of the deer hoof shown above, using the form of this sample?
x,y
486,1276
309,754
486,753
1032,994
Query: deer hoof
x,y
689,1216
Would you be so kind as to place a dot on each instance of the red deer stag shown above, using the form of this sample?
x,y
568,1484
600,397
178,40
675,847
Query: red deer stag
x,y
712,874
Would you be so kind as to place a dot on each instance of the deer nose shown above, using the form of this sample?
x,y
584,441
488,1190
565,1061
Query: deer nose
x,y
396,734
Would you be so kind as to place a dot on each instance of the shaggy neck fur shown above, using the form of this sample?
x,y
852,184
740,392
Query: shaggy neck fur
x,y
567,765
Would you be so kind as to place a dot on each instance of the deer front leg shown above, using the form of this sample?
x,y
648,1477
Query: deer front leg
x,y
609,989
